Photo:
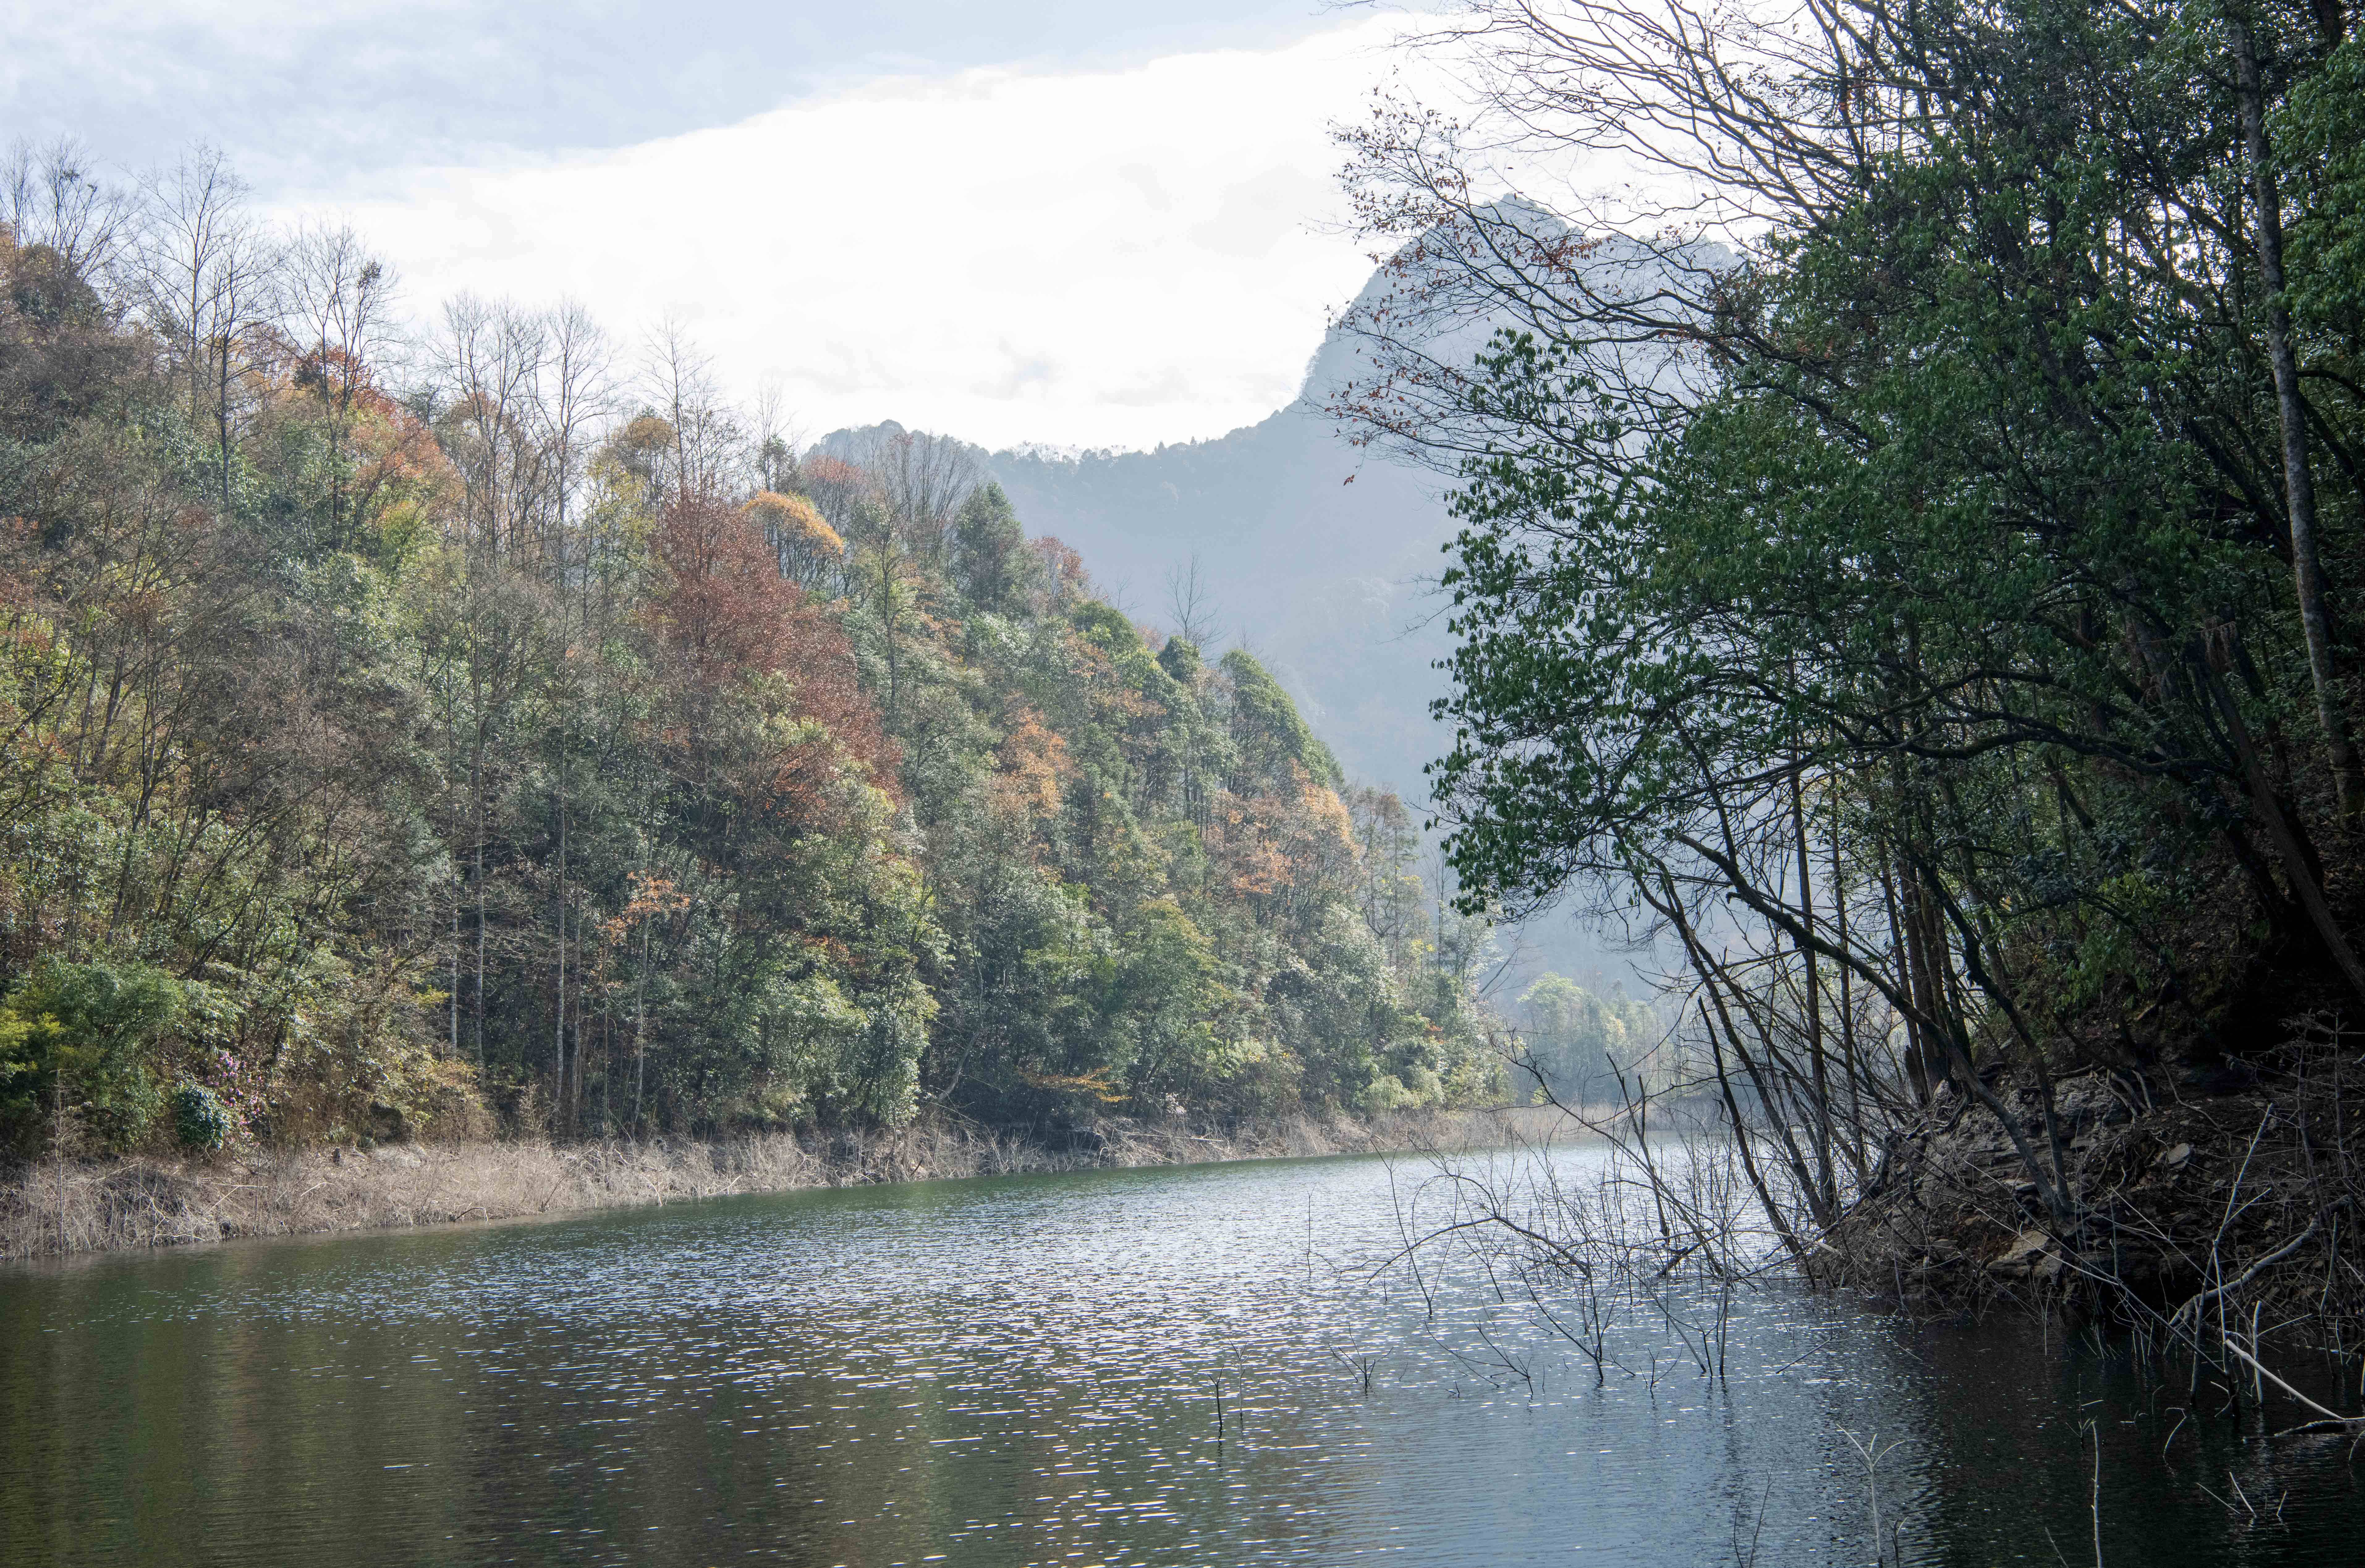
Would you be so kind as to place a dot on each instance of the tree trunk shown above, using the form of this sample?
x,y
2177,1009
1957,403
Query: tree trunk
x,y
558,1041
480,946
640,1032
1824,1184
2299,483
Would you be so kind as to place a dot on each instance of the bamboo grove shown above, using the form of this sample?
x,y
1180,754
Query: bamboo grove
x,y
474,725
1909,550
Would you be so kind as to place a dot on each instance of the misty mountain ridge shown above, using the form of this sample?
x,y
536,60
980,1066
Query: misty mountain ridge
x,y
1320,557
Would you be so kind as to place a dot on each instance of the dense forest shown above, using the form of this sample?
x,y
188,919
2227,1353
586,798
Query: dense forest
x,y
1913,571
471,724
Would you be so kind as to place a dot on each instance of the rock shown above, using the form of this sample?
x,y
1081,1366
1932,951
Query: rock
x,y
2031,1256
2175,1157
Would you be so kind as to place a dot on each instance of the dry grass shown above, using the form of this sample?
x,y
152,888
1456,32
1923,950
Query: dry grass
x,y
141,1202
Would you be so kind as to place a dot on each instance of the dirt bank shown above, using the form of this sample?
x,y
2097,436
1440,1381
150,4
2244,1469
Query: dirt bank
x,y
48,1207
2194,1200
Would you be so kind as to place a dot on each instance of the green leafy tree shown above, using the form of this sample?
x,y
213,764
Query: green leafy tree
x,y
83,1038
1908,588
992,566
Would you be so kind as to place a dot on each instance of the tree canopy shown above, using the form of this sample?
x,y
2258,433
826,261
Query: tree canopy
x,y
1908,569
512,732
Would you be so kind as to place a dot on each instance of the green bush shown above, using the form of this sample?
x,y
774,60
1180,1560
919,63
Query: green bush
x,y
199,1118
94,1027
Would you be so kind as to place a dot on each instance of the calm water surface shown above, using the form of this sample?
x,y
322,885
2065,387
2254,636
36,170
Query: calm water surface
x,y
1025,1370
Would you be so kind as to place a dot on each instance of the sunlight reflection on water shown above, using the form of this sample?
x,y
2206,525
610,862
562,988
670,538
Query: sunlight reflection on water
x,y
1029,1369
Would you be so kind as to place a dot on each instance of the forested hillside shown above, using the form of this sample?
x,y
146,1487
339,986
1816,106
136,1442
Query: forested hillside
x,y
1320,555
419,726
1323,558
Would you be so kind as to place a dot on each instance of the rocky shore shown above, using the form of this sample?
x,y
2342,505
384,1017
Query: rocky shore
x,y
2219,1199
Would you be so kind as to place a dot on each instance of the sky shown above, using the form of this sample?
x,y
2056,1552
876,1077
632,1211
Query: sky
x,y
1067,222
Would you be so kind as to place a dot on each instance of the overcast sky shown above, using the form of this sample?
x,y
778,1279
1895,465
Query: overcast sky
x,y
1074,223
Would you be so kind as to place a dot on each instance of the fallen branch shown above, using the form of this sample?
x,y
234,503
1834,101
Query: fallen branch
x,y
2253,1271
2333,1419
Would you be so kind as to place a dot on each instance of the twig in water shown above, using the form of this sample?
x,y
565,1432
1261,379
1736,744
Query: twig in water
x,y
1363,1364
2333,1420
1748,1559
1872,1456
2234,1481
2095,1427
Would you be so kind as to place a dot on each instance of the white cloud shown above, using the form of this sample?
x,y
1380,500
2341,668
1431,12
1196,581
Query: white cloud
x,y
1102,258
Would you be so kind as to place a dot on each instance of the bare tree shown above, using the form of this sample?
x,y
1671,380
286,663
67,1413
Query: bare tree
x,y
50,195
707,439
923,479
207,274
775,440
1190,601
575,397
336,301
487,363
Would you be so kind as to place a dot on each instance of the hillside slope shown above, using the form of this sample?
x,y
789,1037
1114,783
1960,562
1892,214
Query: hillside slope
x,y
1330,554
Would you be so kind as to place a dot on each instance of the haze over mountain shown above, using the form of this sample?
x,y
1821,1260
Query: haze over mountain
x,y
1331,552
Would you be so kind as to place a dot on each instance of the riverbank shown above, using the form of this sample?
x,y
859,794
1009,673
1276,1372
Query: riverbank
x,y
142,1202
2228,1194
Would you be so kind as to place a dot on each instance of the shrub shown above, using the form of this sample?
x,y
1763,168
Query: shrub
x,y
95,1024
199,1118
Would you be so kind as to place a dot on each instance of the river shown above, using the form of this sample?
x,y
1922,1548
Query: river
x,y
1028,1369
